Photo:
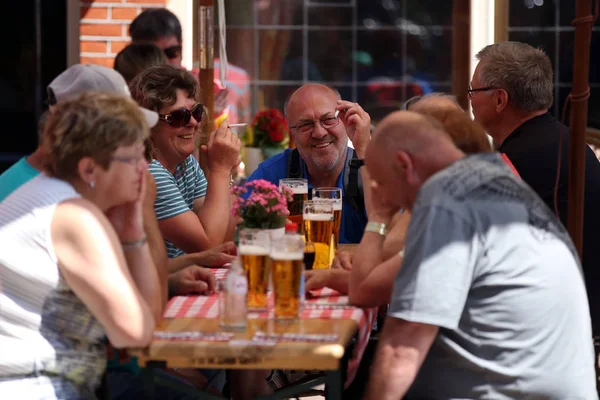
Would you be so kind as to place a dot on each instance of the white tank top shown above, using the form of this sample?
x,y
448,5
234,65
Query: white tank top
x,y
45,330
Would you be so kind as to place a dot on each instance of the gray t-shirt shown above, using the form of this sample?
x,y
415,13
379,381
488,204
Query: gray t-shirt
x,y
488,263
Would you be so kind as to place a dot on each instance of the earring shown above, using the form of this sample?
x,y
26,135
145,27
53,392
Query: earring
x,y
92,185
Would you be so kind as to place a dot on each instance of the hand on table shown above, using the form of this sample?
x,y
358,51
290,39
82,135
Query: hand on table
x,y
335,279
191,280
342,261
217,256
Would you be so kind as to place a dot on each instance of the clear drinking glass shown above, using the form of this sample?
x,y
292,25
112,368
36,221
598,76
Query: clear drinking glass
x,y
333,195
287,264
300,188
318,229
254,247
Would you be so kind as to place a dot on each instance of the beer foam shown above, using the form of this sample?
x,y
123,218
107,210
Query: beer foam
x,y
300,190
318,217
337,206
250,250
280,255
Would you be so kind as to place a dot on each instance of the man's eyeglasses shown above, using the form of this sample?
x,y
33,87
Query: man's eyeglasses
x,y
470,90
173,51
181,116
307,127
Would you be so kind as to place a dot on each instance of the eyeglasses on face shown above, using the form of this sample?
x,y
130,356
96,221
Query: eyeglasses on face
x,y
306,127
132,160
181,116
470,90
173,51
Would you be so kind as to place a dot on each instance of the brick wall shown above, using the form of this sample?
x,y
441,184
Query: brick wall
x,y
104,25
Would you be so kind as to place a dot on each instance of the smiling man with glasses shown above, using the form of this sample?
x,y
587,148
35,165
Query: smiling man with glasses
x,y
321,124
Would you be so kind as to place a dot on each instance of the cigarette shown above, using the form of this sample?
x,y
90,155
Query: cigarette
x,y
337,112
241,125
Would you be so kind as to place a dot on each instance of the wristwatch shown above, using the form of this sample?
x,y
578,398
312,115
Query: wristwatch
x,y
376,227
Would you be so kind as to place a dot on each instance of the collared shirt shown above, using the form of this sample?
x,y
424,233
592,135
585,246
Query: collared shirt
x,y
353,221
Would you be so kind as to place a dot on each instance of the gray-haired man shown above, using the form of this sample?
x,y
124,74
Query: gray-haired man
x,y
511,92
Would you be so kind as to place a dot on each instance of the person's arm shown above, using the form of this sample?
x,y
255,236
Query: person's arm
x,y
156,242
336,279
215,257
119,288
377,261
402,348
358,127
203,228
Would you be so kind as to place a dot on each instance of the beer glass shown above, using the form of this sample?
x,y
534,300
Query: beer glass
x,y
254,247
318,228
287,257
333,195
300,189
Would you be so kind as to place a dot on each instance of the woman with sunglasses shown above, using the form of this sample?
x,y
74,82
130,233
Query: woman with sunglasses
x,y
75,265
189,206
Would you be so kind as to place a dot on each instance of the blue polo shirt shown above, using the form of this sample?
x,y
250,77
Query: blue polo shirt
x,y
353,221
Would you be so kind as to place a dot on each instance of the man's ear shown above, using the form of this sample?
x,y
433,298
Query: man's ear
x,y
407,166
501,99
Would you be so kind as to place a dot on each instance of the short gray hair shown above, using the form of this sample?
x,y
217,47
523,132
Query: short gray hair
x,y
522,70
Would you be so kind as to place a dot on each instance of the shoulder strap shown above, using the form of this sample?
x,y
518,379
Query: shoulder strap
x,y
353,186
295,167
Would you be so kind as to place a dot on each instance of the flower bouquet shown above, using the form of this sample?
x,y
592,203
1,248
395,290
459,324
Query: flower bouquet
x,y
261,205
268,131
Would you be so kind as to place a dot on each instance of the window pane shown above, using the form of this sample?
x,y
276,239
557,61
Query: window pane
x,y
279,12
330,55
279,55
524,13
330,16
240,49
567,40
429,12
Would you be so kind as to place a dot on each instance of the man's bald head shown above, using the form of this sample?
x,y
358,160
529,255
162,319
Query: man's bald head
x,y
409,131
312,88
406,149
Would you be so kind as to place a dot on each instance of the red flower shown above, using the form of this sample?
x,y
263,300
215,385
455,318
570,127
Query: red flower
x,y
276,135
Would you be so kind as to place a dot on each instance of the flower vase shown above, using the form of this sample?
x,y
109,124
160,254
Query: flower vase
x,y
252,156
269,151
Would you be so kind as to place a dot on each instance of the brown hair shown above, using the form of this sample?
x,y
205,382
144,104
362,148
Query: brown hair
x,y
157,86
467,135
137,57
91,125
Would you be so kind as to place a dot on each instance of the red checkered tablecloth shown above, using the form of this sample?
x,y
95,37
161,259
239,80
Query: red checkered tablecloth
x,y
323,304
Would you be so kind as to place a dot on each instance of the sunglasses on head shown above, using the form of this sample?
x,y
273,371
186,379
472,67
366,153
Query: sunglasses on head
x,y
172,52
181,116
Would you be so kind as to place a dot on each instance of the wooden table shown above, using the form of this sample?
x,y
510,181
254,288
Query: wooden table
x,y
246,355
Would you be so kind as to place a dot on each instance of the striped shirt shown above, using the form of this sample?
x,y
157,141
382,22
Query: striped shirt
x,y
175,194
51,346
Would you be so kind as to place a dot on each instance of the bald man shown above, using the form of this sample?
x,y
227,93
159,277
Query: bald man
x,y
321,137
490,301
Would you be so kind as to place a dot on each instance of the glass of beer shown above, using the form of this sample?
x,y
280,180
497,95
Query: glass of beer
x,y
300,189
254,248
287,258
318,228
333,195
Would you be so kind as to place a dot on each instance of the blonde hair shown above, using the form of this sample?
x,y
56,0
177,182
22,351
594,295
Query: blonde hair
x,y
92,125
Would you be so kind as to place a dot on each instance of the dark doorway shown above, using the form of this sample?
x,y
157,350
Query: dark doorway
x,y
34,52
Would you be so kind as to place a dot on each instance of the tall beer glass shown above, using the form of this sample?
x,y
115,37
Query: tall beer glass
x,y
287,257
318,228
254,248
300,189
333,195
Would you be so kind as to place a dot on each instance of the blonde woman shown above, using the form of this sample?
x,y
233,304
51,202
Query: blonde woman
x,y
74,263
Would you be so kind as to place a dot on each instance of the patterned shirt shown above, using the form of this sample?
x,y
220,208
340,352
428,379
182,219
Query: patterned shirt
x,y
51,346
175,194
